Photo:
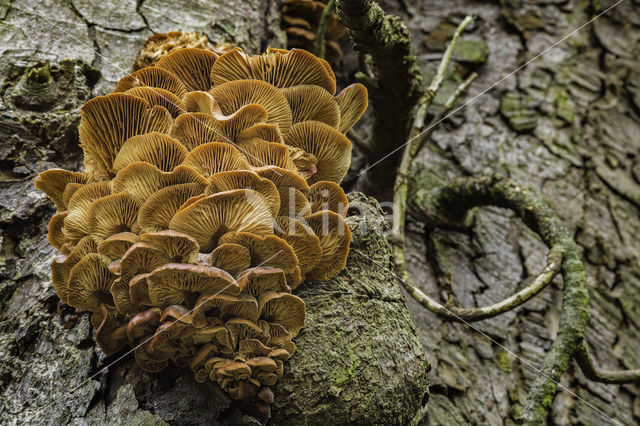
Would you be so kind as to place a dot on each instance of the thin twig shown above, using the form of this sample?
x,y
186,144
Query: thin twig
x,y
584,360
319,45
453,313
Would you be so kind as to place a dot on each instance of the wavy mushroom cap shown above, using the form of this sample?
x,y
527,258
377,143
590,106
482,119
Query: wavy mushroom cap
x,y
215,215
302,239
283,178
112,214
225,307
325,195
277,67
153,77
231,96
171,283
266,132
179,247
142,258
233,258
352,102
259,280
211,158
54,183
142,180
330,147
245,179
116,245
154,148
56,235
62,264
310,102
108,121
284,309
143,324
335,237
293,203
158,210
111,334
161,97
89,283
191,65
76,224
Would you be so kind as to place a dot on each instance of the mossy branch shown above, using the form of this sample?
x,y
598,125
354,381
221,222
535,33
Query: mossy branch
x,y
584,360
319,42
397,84
453,313
450,203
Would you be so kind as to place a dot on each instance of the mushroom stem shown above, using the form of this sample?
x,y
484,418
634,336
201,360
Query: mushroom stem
x,y
120,333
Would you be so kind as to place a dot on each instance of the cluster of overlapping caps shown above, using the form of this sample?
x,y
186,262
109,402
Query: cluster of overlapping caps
x,y
210,193
300,19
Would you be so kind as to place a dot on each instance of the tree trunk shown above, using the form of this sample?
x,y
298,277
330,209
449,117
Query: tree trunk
x,y
567,124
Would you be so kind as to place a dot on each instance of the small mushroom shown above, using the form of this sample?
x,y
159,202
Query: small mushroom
x,y
171,283
155,148
156,96
111,215
56,235
263,368
302,239
352,101
148,362
158,210
280,338
152,77
284,309
335,237
241,329
233,95
111,335
231,211
225,307
310,102
325,195
89,283
264,131
76,224
278,67
141,180
115,246
253,347
330,147
259,280
143,324
283,178
139,290
120,293
215,157
293,203
232,258
268,251
245,179
62,264
141,258
53,182
179,247
261,153
200,101
192,66
108,121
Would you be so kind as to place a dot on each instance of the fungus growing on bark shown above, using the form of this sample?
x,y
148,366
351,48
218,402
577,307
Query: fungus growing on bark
x,y
195,219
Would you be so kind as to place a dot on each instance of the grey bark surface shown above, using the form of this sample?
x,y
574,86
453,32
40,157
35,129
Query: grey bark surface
x,y
358,360
568,125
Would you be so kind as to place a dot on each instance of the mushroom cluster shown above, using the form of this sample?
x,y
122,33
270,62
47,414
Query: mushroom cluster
x,y
300,19
210,193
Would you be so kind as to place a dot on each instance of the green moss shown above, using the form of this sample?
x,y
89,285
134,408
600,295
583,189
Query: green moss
x,y
503,361
564,106
519,111
475,52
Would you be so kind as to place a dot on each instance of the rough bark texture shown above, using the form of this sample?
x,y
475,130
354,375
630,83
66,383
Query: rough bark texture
x,y
568,126
358,360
